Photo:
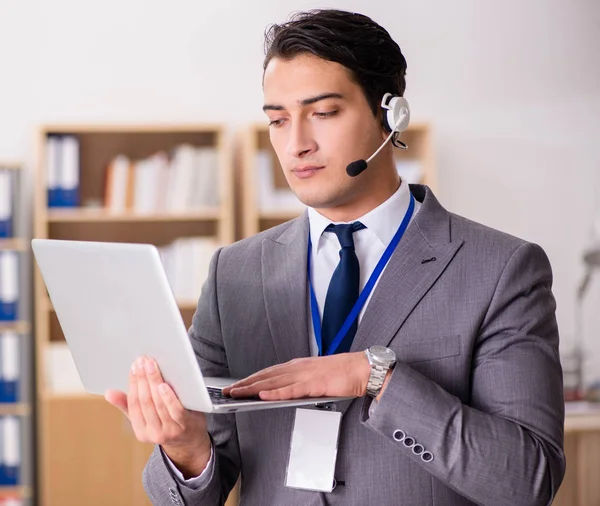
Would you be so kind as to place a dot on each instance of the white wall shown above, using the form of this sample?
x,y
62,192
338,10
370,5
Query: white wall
x,y
511,87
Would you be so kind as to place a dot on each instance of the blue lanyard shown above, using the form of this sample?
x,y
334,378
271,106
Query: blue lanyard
x,y
364,295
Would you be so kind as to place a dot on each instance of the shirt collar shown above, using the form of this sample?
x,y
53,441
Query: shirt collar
x,y
383,221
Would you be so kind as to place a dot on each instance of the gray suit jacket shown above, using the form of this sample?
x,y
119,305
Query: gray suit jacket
x,y
478,384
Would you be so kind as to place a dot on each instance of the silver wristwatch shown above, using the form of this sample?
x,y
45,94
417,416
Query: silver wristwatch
x,y
381,359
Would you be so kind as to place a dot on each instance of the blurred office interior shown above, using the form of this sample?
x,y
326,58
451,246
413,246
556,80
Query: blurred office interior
x,y
505,101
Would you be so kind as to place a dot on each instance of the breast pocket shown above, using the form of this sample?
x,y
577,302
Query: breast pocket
x,y
426,349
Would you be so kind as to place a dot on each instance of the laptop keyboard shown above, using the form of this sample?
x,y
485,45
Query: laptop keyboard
x,y
217,397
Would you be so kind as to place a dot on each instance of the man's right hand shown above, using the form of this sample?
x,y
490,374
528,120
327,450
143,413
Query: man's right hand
x,y
157,416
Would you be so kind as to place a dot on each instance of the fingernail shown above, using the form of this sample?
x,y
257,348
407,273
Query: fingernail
x,y
133,368
140,364
149,366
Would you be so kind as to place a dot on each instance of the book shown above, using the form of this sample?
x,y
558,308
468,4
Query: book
x,y
53,163
9,285
10,451
9,366
187,180
117,176
6,203
62,170
186,261
69,174
62,376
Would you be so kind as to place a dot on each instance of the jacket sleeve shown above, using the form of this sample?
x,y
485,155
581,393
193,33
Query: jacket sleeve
x,y
506,446
162,487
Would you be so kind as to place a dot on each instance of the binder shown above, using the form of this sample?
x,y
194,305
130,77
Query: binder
x,y
69,172
6,197
53,163
2,466
11,451
62,170
9,285
9,366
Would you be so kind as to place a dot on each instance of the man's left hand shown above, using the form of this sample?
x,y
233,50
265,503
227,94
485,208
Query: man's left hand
x,y
342,375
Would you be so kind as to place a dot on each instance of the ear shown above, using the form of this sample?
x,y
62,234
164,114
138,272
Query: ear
x,y
382,129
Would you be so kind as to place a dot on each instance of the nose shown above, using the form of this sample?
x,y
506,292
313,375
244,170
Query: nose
x,y
300,141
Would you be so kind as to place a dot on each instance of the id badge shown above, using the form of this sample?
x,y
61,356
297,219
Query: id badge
x,y
313,449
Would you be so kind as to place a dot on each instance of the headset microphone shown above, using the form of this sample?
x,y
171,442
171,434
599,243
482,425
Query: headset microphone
x,y
398,115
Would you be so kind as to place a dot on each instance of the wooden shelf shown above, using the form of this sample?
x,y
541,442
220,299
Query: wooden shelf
x,y
11,165
15,244
75,396
584,419
101,215
185,305
19,409
77,430
133,128
19,491
21,327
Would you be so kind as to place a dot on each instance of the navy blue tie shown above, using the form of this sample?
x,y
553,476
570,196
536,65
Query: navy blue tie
x,y
343,289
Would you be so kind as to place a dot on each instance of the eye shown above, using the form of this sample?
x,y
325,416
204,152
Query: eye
x,y
327,114
276,122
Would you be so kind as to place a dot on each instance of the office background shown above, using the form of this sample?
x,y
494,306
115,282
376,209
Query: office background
x,y
511,90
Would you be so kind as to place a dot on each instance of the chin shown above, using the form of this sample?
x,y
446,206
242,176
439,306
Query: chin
x,y
319,201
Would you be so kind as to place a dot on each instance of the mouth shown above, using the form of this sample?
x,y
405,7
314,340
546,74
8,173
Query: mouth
x,y
306,171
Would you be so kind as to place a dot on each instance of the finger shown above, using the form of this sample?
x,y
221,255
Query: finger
x,y
172,404
264,385
294,391
145,398
117,399
155,379
133,402
265,374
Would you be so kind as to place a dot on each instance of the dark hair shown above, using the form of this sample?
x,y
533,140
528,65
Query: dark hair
x,y
352,40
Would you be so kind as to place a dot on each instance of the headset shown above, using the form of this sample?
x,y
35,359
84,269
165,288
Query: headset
x,y
396,117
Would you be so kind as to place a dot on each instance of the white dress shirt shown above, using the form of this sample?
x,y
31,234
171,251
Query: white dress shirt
x,y
381,224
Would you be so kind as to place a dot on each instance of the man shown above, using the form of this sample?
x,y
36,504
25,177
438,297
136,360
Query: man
x,y
471,412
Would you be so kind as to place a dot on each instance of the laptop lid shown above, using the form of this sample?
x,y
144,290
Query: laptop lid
x,y
114,303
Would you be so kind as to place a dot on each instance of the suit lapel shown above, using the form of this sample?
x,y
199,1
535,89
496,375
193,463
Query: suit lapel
x,y
404,283
285,288
419,260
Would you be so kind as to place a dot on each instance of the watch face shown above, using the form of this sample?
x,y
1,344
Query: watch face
x,y
382,354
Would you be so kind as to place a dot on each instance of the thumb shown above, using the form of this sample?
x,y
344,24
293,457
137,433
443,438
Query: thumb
x,y
117,399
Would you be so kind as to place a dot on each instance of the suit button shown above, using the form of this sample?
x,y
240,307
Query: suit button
x,y
399,436
418,449
409,442
427,457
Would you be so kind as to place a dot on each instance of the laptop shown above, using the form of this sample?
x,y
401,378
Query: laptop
x,y
114,304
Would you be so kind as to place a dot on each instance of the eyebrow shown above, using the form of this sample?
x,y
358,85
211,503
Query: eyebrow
x,y
305,102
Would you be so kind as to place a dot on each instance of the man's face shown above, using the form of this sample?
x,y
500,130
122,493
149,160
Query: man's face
x,y
320,122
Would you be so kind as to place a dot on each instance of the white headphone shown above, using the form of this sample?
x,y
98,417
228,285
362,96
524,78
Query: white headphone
x,y
396,117
396,113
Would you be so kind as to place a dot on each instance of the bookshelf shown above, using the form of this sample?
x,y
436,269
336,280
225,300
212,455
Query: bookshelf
x,y
257,216
87,453
13,241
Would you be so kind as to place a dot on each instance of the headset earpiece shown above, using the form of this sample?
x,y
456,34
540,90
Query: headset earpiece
x,y
396,116
396,113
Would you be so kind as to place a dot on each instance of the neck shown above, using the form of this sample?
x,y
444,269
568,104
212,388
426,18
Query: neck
x,y
369,200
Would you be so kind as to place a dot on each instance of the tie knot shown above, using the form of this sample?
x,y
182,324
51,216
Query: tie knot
x,y
344,232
